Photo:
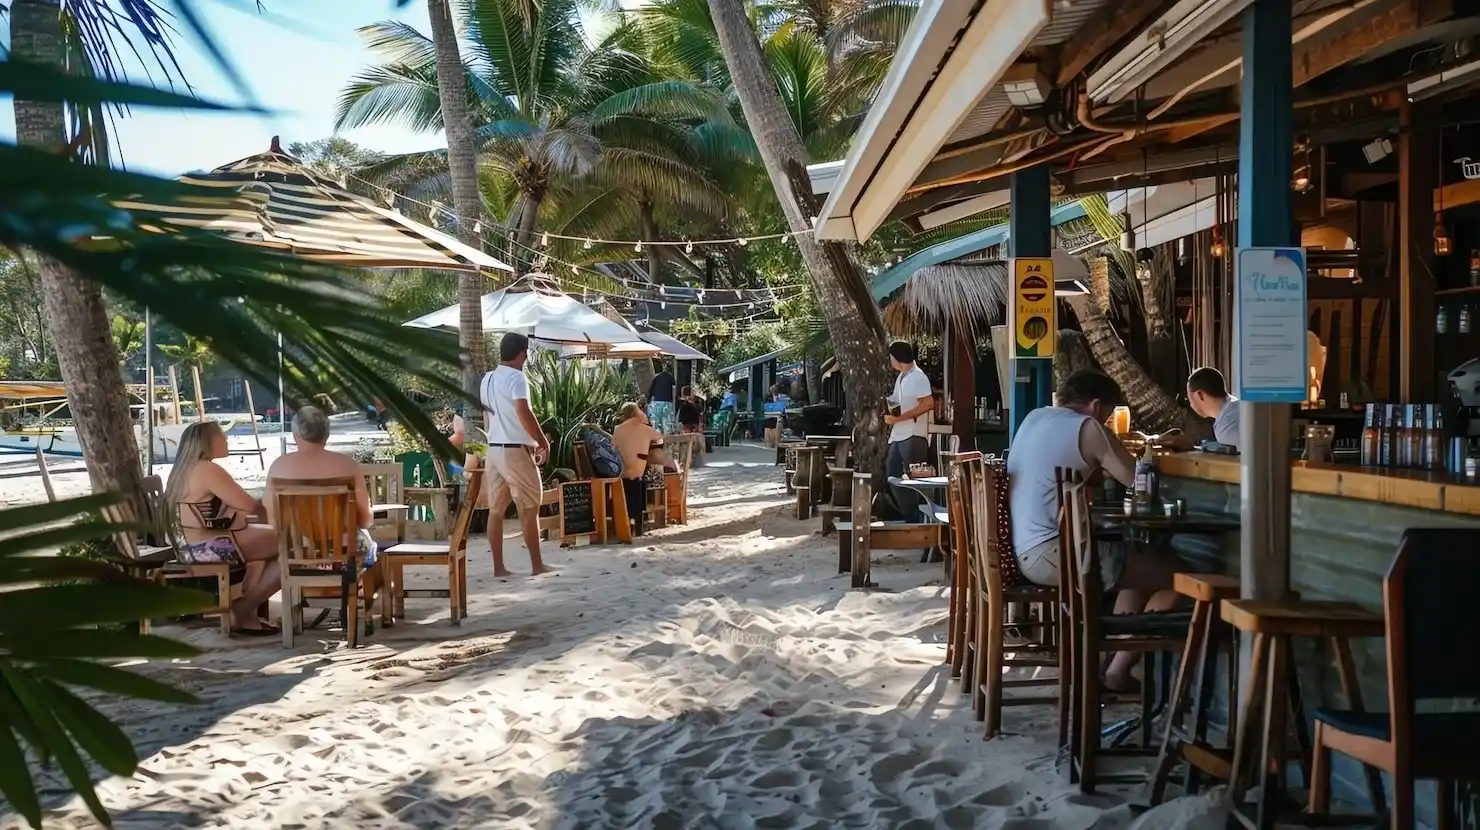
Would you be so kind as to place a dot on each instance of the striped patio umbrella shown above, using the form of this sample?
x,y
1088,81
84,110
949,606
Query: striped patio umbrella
x,y
273,200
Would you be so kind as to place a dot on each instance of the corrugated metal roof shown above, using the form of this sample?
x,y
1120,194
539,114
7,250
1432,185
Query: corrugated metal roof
x,y
1065,22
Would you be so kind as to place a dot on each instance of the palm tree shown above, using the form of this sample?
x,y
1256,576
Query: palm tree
x,y
79,322
591,126
128,336
452,95
853,318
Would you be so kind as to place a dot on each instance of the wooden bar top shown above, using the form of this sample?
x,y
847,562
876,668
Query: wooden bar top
x,y
1406,488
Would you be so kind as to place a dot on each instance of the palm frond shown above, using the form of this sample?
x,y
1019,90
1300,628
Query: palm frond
x,y
393,94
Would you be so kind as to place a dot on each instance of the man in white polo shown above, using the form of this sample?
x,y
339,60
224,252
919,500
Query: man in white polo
x,y
516,448
909,430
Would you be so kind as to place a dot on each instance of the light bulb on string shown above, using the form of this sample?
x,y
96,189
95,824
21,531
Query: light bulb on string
x,y
688,246
742,242
638,246
545,239
587,246
478,227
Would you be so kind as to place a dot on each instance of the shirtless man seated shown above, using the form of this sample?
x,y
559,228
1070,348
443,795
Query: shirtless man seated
x,y
313,461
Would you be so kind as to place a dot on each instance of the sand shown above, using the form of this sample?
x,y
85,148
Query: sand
x,y
715,675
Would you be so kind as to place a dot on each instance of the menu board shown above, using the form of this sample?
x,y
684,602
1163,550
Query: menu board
x,y
577,509
1270,362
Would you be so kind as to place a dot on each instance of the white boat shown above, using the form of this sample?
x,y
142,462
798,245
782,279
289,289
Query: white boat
x,y
59,441
167,438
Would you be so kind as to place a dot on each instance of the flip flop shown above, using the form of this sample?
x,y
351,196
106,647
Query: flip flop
x,y
255,632
1133,687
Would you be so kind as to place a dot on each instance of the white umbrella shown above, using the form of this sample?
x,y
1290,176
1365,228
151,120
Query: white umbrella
x,y
653,343
538,313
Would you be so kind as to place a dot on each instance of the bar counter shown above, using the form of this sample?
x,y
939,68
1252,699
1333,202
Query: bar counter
x,y
1438,491
1345,523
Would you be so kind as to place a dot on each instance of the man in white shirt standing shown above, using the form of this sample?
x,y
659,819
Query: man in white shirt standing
x,y
908,441
516,448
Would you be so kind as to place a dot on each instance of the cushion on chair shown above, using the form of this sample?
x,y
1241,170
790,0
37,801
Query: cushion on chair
x,y
1443,731
417,549
1148,624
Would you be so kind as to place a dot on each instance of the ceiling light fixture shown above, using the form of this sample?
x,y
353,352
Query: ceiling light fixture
x,y
1024,85
1377,149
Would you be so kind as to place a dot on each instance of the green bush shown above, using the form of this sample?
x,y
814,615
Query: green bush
x,y
565,394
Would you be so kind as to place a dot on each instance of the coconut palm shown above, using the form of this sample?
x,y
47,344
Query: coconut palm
x,y
853,318
557,117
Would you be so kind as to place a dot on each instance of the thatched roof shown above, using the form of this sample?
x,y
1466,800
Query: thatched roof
x,y
972,296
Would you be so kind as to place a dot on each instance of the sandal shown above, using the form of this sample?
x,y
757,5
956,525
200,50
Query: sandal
x,y
1132,687
255,632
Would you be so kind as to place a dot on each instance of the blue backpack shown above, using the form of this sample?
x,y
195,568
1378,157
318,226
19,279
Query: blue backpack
x,y
606,462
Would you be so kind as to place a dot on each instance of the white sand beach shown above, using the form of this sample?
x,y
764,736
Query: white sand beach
x,y
718,674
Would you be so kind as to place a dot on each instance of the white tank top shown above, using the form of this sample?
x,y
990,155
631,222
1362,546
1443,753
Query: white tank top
x,y
1047,440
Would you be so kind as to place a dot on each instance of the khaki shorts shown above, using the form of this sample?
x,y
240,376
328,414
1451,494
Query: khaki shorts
x,y
514,468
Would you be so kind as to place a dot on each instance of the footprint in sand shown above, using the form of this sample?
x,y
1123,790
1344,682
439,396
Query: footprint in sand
x,y
1006,795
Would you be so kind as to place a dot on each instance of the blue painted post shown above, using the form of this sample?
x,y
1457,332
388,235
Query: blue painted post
x,y
1266,141
1029,235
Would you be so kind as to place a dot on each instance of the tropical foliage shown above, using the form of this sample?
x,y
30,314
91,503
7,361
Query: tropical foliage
x,y
567,394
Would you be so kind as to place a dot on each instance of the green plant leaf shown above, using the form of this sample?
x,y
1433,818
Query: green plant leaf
x,y
64,607
103,740
112,680
54,738
47,647
38,82
15,776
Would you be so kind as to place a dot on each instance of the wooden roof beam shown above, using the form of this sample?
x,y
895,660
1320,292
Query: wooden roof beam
x,y
1110,25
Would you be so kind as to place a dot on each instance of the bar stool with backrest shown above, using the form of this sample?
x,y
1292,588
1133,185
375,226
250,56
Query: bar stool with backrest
x,y
1097,633
995,585
1431,729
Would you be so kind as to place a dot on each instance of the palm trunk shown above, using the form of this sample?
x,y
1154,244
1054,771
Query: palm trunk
x,y
463,165
1156,299
853,320
648,232
74,307
1154,410
529,218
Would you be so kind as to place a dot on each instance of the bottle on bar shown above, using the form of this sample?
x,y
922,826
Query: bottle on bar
x,y
1371,436
1415,435
1434,448
1385,425
1400,435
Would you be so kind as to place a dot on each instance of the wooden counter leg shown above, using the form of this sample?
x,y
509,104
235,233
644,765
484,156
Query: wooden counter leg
x,y
1248,722
620,517
1272,758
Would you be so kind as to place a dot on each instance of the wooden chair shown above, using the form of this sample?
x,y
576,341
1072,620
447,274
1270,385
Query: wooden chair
x,y
384,483
957,610
318,547
433,496
806,480
608,491
1432,637
991,592
451,554
859,537
1097,633
681,454
840,502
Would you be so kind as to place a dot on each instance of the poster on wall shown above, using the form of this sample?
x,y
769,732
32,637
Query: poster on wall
x,y
1270,363
1035,329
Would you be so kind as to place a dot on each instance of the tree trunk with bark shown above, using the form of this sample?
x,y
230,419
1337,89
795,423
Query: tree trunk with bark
x,y
853,320
462,162
1153,409
1155,283
81,332
522,254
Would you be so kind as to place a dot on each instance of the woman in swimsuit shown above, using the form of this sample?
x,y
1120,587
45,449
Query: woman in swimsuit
x,y
214,515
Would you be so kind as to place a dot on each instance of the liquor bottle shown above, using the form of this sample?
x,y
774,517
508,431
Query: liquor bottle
x,y
1464,319
1147,497
1371,436
1475,267
1441,321
1434,447
1413,436
1386,427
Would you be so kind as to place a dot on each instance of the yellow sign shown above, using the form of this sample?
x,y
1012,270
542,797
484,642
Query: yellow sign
x,y
1035,329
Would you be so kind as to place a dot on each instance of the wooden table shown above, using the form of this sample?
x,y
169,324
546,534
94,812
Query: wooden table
x,y
933,513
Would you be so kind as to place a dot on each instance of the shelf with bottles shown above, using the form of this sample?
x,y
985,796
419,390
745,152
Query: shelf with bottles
x,y
1455,319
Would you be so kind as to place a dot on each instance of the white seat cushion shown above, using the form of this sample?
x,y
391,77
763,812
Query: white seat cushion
x,y
418,549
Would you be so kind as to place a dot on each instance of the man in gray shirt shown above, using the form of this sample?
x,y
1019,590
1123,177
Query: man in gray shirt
x,y
1208,395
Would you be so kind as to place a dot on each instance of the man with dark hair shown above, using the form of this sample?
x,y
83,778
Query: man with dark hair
x,y
516,448
1208,396
1072,435
660,399
909,428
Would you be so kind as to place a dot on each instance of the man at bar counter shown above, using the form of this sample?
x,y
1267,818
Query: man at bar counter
x,y
1208,396
1072,434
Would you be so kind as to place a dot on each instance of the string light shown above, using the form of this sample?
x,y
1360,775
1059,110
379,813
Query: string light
x,y
478,228
742,242
688,247
587,246
638,246
545,240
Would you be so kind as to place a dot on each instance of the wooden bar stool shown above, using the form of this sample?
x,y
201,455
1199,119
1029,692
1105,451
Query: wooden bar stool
x,y
1207,636
1259,749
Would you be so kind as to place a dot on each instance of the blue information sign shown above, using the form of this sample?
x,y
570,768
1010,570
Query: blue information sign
x,y
1269,323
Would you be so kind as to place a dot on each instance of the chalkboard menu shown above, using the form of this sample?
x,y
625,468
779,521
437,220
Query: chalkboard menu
x,y
577,509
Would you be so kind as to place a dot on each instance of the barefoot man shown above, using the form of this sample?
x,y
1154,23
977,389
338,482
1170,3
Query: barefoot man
x,y
516,448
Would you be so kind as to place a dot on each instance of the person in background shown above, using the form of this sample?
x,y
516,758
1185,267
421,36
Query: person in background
x,y
314,461
660,399
731,400
640,445
215,514
690,412
1072,435
909,430
1209,398
516,448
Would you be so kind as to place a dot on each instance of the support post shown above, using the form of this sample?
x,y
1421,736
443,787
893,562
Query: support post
x,y
962,379
1264,219
1030,235
148,392
1417,179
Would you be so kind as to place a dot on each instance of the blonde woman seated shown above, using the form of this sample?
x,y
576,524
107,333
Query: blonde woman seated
x,y
214,514
641,448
